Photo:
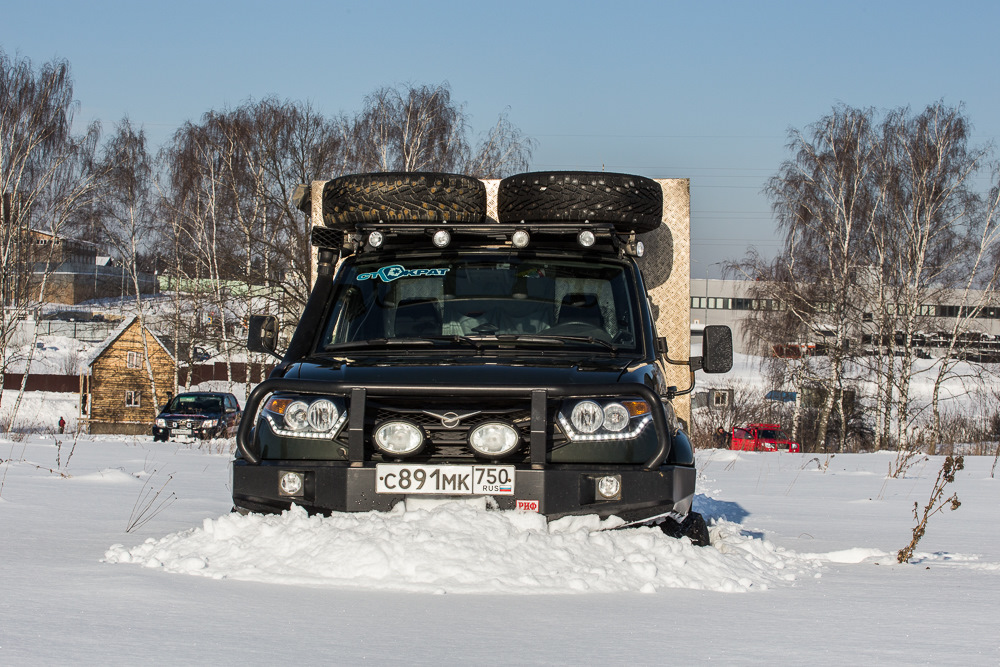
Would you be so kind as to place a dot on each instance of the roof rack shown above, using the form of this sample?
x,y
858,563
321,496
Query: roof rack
x,y
363,238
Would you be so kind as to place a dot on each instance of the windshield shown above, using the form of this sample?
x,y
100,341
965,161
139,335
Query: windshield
x,y
194,404
458,300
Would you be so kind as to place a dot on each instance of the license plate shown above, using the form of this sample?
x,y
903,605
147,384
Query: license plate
x,y
183,431
452,480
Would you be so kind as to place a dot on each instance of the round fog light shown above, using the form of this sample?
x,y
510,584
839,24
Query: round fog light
x,y
376,239
520,238
585,238
290,484
494,439
610,487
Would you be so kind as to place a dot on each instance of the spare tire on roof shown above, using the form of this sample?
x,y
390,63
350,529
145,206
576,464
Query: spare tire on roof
x,y
403,197
632,203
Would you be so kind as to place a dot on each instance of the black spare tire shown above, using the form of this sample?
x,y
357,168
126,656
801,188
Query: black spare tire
x,y
403,197
632,203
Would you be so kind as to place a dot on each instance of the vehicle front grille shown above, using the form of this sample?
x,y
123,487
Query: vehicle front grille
x,y
450,441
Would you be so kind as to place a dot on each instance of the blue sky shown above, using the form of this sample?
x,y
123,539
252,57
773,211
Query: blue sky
x,y
703,90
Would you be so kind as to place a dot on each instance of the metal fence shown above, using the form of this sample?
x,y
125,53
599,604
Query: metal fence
x,y
91,332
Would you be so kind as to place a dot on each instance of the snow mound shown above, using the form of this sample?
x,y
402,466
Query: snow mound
x,y
461,547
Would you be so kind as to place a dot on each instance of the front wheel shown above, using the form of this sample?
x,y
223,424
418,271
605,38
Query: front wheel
x,y
692,527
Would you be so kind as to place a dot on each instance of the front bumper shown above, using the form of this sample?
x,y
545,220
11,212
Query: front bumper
x,y
648,489
166,433
554,491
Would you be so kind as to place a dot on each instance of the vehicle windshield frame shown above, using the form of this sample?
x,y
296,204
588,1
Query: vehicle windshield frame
x,y
532,296
195,404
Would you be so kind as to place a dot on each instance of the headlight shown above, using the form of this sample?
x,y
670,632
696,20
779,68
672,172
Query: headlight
x,y
593,420
209,423
587,416
162,423
322,415
399,438
295,416
305,416
494,439
616,417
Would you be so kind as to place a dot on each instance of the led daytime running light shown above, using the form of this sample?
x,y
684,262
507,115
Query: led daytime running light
x,y
583,437
278,430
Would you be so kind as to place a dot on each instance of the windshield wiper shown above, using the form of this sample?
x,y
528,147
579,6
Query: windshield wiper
x,y
529,338
587,339
379,342
425,341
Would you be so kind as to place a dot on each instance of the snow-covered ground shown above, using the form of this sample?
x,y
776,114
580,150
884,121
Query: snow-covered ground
x,y
123,551
118,550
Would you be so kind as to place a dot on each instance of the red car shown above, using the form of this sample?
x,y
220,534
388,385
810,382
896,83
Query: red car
x,y
762,438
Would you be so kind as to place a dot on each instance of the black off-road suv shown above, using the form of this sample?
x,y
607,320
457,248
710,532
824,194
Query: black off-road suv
x,y
198,414
455,355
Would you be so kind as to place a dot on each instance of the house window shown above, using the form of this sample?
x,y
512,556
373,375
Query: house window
x,y
131,398
132,359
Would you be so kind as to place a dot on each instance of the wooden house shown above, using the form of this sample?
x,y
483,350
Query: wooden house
x,y
118,393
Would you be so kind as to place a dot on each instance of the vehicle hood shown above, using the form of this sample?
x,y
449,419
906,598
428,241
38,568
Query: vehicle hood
x,y
476,371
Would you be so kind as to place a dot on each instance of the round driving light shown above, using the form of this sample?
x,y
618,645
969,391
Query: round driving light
x,y
398,438
290,484
442,238
376,239
587,416
295,416
322,415
610,487
520,238
585,238
615,417
494,439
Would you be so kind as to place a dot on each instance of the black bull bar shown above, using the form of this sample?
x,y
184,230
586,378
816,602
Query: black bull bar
x,y
538,395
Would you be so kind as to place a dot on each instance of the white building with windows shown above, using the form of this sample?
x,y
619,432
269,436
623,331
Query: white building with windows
x,y
727,302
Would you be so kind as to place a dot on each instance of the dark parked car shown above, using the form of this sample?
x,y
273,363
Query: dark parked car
x,y
198,414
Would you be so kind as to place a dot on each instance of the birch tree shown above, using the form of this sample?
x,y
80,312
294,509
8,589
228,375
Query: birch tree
x,y
126,210
46,178
824,200
930,199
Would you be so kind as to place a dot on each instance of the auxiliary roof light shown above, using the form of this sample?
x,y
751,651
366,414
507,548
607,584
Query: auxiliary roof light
x,y
376,239
442,238
585,238
520,238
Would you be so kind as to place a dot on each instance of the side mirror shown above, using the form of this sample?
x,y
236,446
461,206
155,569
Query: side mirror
x,y
717,349
262,334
